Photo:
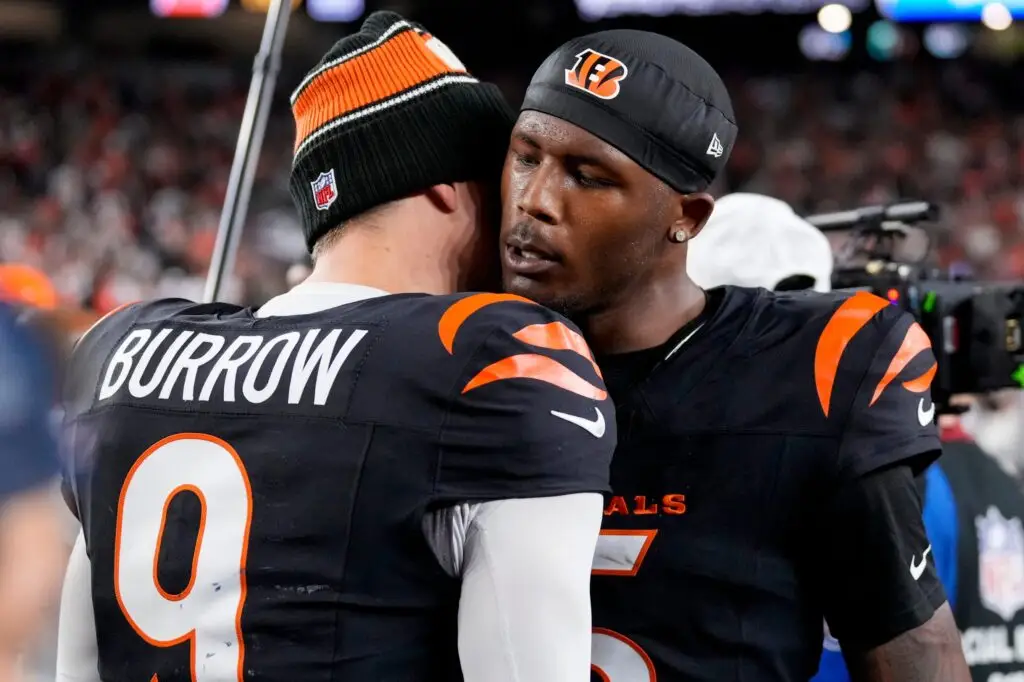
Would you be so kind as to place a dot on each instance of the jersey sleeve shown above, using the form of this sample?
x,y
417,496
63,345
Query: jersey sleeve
x,y
940,523
28,443
892,417
876,575
528,415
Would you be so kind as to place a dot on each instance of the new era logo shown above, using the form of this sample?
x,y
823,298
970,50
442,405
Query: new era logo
x,y
715,149
325,191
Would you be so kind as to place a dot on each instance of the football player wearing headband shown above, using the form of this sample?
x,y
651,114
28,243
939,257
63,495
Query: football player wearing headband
x,y
768,443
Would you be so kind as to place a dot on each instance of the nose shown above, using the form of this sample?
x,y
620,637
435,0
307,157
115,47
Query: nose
x,y
539,195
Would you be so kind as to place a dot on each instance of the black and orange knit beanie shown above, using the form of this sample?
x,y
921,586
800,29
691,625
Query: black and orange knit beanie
x,y
389,112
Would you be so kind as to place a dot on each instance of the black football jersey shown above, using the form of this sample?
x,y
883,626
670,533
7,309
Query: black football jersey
x,y
707,568
252,490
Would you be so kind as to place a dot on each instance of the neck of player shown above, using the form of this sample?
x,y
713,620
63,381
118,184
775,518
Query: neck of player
x,y
392,258
643,318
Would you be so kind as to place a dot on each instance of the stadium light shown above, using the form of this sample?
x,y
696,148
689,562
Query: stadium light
x,y
817,44
335,10
835,18
188,9
996,17
883,41
946,41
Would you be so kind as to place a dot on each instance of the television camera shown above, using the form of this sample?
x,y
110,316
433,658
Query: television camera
x,y
974,327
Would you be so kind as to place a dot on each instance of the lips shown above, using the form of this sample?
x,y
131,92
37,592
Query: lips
x,y
528,256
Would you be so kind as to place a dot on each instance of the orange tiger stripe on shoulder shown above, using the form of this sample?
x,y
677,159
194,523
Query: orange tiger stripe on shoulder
x,y
923,382
556,336
461,310
914,343
552,336
848,319
539,367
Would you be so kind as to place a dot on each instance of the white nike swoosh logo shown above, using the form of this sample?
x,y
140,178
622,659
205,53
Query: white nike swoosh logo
x,y
595,427
917,569
925,417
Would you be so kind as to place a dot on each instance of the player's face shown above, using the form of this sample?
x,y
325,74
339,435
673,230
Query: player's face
x,y
581,222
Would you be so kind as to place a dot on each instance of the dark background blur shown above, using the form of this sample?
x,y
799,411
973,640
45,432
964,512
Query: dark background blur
x,y
117,127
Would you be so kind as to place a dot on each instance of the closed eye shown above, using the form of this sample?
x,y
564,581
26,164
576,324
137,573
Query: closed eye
x,y
521,159
592,182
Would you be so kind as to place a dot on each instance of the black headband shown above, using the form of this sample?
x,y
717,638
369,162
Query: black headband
x,y
669,123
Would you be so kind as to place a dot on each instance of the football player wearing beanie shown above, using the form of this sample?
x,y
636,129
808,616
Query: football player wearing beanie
x,y
768,442
367,477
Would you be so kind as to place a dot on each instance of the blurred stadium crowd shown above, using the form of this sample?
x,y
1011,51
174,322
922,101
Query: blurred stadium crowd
x,y
112,183
112,175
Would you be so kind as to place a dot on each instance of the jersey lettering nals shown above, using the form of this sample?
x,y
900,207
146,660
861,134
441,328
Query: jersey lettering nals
x,y
711,566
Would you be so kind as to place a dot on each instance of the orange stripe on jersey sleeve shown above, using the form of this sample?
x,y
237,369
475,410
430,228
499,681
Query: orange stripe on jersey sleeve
x,y
461,310
540,368
848,319
556,336
923,382
914,343
387,70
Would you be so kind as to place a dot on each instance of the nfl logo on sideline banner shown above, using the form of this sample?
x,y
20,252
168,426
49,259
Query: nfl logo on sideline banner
x,y
1000,563
325,191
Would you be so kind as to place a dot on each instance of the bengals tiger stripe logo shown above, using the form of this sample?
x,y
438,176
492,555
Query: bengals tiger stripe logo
x,y
848,319
597,74
550,336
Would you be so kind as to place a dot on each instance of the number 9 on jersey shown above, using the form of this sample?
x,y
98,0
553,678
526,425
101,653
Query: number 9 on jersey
x,y
207,613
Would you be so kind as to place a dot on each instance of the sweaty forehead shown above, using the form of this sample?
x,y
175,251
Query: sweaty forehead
x,y
557,136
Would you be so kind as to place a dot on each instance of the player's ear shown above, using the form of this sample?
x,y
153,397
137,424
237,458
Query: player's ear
x,y
692,212
444,197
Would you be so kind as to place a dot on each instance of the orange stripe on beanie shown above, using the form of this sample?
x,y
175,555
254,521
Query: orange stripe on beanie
x,y
395,66
389,112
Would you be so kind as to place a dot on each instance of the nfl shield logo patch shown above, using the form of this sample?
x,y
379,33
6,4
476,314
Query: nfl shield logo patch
x,y
1000,563
325,191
